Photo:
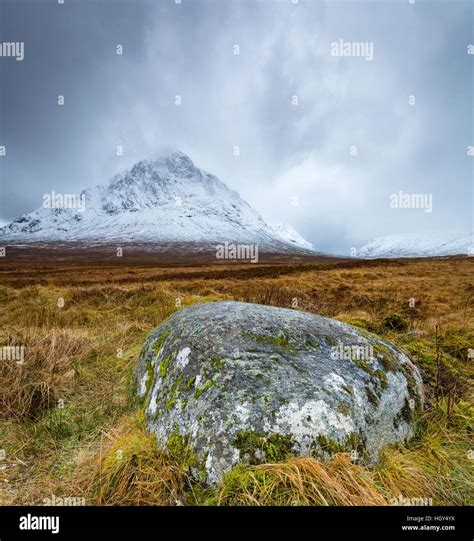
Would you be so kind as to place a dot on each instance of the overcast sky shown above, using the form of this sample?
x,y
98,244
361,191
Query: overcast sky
x,y
295,164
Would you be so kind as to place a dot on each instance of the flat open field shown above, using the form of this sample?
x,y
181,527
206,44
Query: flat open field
x,y
70,426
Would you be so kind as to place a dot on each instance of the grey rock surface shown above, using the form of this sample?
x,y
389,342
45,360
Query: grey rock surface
x,y
236,383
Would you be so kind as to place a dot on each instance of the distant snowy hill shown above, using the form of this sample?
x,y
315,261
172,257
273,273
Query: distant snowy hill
x,y
418,245
288,234
164,200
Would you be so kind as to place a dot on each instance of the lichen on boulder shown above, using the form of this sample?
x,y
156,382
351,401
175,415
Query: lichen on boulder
x,y
238,383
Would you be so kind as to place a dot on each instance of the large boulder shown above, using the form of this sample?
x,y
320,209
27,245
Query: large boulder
x,y
231,382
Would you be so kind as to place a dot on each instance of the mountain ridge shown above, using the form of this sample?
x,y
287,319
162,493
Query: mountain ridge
x,y
435,243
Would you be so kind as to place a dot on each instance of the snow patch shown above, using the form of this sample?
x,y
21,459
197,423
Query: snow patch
x,y
438,243
288,234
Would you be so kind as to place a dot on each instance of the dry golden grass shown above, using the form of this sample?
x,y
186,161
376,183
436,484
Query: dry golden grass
x,y
84,354
27,389
301,481
128,469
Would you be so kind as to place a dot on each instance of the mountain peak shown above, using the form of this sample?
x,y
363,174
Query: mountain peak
x,y
163,199
175,163
179,157
180,163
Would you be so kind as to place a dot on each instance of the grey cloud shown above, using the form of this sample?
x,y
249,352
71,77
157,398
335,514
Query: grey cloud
x,y
245,100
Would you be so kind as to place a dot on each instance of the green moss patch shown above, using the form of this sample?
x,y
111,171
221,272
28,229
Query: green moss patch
x,y
332,447
395,322
273,447
280,339
158,346
378,374
386,357
203,387
164,365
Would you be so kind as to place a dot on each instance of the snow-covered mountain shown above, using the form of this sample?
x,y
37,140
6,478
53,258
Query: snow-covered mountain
x,y
167,199
419,245
288,234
